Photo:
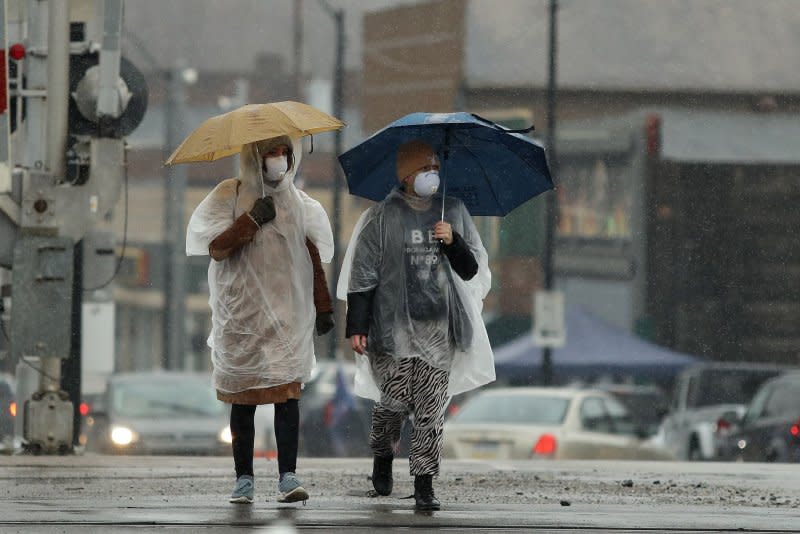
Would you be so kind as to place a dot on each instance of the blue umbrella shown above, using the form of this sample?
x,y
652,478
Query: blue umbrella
x,y
490,168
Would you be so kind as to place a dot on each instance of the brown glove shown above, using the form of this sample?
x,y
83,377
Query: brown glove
x,y
263,210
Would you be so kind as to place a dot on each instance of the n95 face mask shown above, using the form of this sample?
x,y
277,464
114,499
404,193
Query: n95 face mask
x,y
426,183
275,168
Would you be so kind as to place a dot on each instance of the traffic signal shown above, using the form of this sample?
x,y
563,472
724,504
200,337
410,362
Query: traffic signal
x,y
84,81
9,82
84,85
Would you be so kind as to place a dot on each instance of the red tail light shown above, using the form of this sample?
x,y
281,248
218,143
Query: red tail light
x,y
84,409
545,446
723,425
795,430
12,408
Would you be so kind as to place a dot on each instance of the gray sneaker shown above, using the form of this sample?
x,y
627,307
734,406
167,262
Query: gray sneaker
x,y
291,489
243,490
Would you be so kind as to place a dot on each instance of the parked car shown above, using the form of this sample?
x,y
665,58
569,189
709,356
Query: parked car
x,y
159,413
546,423
8,410
770,428
647,404
702,394
331,424
264,445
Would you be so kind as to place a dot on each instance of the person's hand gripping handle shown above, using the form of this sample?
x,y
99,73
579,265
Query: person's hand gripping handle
x,y
263,210
444,232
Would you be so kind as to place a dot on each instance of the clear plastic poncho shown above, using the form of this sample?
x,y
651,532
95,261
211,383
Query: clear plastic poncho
x,y
421,307
261,297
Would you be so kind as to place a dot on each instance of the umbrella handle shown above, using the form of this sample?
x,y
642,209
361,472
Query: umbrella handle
x,y
260,171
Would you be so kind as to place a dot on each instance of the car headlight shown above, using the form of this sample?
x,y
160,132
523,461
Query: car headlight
x,y
225,435
122,436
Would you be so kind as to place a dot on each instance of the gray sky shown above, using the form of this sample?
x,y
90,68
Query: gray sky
x,y
229,34
719,45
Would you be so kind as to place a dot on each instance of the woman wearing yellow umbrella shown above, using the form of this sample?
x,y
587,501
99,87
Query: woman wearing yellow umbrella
x,y
255,229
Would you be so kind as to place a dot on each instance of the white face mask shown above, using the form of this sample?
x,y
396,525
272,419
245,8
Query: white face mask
x,y
275,168
426,183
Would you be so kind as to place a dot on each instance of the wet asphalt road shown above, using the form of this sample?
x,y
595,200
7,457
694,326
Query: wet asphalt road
x,y
141,494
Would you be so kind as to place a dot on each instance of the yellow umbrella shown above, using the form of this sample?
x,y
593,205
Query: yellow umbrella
x,y
224,135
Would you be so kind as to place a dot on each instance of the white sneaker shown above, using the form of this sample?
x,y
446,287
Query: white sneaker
x,y
243,490
291,489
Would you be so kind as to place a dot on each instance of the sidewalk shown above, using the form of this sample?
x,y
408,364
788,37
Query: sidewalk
x,y
102,493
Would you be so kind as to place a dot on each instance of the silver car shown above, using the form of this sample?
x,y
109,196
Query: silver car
x,y
546,423
160,413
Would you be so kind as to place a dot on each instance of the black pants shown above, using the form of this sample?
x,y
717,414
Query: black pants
x,y
287,423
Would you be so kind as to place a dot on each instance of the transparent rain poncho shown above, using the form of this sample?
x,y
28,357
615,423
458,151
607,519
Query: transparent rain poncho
x,y
421,307
261,297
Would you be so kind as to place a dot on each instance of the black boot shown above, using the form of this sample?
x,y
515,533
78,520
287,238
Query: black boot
x,y
423,493
382,474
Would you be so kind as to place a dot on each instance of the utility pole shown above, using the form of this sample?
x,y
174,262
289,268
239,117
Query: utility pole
x,y
338,111
551,212
298,49
174,324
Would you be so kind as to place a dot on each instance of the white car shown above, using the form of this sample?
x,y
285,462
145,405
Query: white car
x,y
702,394
546,423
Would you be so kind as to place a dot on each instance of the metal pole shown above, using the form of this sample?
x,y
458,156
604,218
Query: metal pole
x,y
34,70
174,324
71,368
57,86
298,48
338,111
551,208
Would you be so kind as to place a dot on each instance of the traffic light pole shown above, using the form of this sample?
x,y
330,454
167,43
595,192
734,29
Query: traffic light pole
x,y
55,212
57,86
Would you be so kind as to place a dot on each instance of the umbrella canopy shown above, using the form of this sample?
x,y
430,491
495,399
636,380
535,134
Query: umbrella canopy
x,y
490,168
224,135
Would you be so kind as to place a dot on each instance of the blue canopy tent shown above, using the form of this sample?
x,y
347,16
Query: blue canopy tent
x,y
593,349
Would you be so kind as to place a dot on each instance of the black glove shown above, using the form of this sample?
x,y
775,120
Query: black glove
x,y
324,323
263,210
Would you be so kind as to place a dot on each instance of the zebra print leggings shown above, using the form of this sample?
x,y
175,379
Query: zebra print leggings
x,y
410,385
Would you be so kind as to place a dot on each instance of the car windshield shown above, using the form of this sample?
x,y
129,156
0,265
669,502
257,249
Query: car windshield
x,y
514,409
165,399
785,400
729,386
323,380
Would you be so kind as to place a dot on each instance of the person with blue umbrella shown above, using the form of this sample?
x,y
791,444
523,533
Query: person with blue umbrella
x,y
491,169
414,277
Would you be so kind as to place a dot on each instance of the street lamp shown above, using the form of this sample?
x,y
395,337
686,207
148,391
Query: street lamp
x,y
551,207
174,324
338,110
178,78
